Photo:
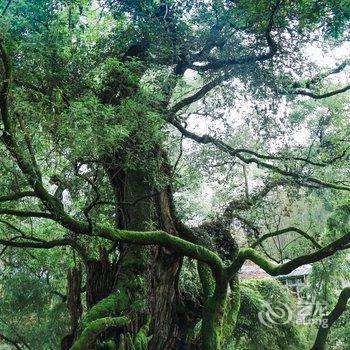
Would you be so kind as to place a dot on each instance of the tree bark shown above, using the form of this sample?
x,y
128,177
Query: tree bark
x,y
165,273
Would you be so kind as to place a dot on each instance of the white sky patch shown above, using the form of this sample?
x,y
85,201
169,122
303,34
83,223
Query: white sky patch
x,y
327,58
302,136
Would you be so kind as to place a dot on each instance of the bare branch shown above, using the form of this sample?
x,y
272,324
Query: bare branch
x,y
285,230
321,96
17,195
305,87
47,245
198,95
207,139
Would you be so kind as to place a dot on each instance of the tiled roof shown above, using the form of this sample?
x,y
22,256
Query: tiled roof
x,y
251,271
303,270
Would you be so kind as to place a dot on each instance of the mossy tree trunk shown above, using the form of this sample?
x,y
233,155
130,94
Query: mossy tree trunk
x,y
159,268
213,316
165,271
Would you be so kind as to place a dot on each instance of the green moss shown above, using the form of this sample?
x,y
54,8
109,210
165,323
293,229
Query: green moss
x,y
213,318
94,328
142,339
107,306
206,278
231,312
121,342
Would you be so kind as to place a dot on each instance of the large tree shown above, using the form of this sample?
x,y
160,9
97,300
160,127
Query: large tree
x,y
94,99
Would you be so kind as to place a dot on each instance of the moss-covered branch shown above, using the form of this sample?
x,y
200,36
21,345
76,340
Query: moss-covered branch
x,y
281,269
113,303
166,240
327,321
94,328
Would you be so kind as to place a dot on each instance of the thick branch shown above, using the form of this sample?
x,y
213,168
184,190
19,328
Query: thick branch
x,y
321,96
166,240
327,321
91,332
26,214
17,195
283,269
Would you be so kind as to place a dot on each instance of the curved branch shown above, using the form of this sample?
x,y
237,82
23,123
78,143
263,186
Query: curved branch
x,y
327,321
198,95
166,240
304,87
207,139
283,269
319,77
293,158
91,332
285,230
303,179
321,96
47,245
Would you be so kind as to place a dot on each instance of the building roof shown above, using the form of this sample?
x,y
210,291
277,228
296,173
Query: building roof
x,y
251,271
303,270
